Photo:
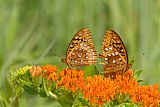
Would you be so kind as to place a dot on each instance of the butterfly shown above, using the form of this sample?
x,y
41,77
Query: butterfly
x,y
114,54
81,51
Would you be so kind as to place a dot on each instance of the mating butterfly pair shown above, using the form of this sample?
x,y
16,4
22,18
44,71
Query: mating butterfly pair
x,y
81,52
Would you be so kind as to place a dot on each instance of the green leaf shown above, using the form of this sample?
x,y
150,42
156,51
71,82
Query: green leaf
x,y
29,84
18,90
30,90
137,73
29,87
3,99
44,88
128,105
65,98
9,88
89,70
140,81
132,61
15,102
42,93
82,102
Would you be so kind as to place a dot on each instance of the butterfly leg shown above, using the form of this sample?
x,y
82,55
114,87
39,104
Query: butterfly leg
x,y
69,66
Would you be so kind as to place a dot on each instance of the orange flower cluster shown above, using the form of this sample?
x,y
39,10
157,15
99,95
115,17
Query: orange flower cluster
x,y
148,95
50,72
126,83
72,80
99,90
35,71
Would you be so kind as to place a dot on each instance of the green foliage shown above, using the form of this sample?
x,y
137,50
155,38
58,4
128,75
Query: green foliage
x,y
29,87
9,95
65,98
137,73
128,105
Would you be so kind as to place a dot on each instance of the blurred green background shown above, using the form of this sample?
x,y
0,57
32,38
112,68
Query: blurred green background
x,y
38,31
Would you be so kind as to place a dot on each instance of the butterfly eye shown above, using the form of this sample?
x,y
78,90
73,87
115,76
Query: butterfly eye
x,y
81,51
114,54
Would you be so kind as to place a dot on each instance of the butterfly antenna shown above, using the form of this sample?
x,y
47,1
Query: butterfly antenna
x,y
60,66
57,55
51,50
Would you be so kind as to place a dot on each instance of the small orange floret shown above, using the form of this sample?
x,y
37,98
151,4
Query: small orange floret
x,y
35,71
49,68
50,72
129,73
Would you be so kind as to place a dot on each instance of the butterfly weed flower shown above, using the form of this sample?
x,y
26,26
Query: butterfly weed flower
x,y
50,72
148,95
99,90
126,83
23,70
35,71
20,72
72,80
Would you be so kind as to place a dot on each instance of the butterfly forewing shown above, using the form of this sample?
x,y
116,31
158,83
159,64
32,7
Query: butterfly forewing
x,y
113,53
81,51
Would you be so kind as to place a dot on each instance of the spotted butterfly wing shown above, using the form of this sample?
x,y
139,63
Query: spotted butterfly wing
x,y
114,54
81,51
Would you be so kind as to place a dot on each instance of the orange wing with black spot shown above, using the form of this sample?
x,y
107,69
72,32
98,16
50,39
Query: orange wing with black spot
x,y
81,51
114,54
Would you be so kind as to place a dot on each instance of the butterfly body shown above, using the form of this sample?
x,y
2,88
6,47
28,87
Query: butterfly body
x,y
114,54
81,51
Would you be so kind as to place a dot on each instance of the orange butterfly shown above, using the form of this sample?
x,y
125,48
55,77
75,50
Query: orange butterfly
x,y
114,54
81,51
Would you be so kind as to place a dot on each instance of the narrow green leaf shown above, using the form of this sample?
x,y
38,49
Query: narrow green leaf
x,y
29,87
137,73
30,90
128,105
9,87
132,61
83,102
3,99
29,84
42,93
44,88
140,81
15,102
18,90
89,70
65,98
